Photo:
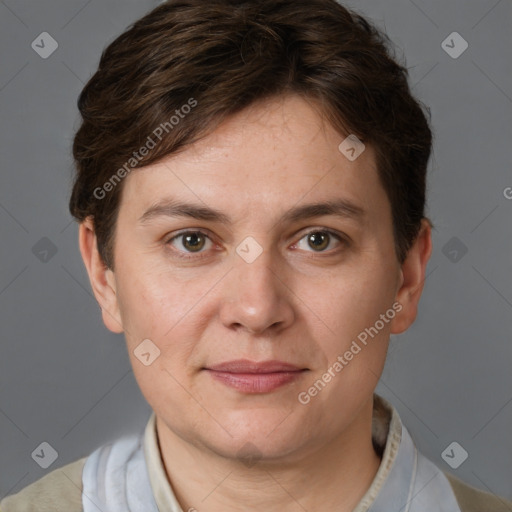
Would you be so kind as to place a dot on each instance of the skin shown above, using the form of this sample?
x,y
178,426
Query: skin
x,y
294,303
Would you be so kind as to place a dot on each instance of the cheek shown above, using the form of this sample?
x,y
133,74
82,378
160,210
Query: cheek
x,y
154,308
149,305
353,340
160,306
347,305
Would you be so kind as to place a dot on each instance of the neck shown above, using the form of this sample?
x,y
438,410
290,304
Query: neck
x,y
337,475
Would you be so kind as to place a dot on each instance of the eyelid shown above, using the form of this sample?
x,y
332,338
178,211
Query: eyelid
x,y
186,231
323,229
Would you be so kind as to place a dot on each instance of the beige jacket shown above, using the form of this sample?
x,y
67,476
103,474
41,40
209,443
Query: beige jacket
x,y
61,489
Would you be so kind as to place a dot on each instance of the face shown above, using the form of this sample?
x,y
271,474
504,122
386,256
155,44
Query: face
x,y
222,262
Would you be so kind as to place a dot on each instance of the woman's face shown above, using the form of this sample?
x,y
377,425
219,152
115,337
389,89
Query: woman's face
x,y
220,257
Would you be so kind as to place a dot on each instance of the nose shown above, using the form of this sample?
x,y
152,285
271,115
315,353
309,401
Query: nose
x,y
255,297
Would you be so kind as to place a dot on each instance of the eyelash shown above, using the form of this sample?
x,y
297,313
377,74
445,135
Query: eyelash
x,y
198,255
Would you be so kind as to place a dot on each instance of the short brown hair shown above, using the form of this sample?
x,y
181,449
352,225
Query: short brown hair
x,y
224,55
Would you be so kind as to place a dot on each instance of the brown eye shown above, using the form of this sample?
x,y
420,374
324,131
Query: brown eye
x,y
193,241
189,242
318,240
321,240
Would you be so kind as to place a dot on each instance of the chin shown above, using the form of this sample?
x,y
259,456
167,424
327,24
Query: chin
x,y
260,437
251,451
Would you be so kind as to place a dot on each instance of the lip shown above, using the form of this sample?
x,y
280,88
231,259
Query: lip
x,y
246,366
255,377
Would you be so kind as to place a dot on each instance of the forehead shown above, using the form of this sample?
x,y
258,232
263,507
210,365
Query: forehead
x,y
269,157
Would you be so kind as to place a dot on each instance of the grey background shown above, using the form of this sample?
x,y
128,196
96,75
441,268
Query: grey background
x,y
65,379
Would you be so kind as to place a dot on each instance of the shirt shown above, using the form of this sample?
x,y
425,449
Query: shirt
x,y
405,480
128,475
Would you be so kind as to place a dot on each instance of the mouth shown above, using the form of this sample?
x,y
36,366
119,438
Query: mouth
x,y
255,377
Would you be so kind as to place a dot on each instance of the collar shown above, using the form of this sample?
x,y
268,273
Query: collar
x,y
405,481
129,474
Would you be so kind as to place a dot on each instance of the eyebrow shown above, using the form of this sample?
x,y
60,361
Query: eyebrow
x,y
172,208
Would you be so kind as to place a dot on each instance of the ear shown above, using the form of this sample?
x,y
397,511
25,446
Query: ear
x,y
102,278
413,271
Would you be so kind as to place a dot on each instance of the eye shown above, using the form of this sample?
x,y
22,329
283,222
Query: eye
x,y
319,240
187,243
190,241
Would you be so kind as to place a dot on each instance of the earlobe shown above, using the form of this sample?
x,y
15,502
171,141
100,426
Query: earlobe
x,y
101,278
413,271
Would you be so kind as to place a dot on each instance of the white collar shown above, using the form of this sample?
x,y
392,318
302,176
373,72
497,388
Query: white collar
x,y
129,474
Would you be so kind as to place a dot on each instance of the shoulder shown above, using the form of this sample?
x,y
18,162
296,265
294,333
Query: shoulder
x,y
471,499
58,491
